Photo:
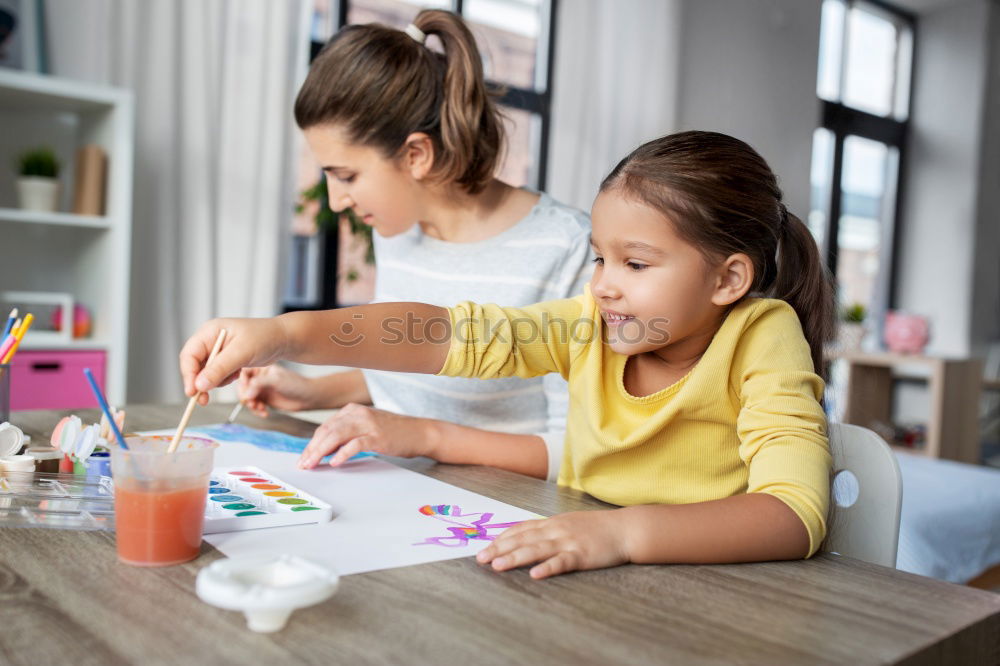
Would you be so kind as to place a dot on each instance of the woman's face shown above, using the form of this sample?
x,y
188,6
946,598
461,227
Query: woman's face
x,y
381,191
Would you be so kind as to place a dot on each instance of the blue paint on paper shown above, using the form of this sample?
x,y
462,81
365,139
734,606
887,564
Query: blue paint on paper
x,y
264,439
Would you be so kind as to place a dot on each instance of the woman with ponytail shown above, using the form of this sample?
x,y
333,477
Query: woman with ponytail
x,y
410,138
692,361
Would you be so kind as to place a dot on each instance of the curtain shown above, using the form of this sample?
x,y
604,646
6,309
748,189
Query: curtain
x,y
615,84
214,84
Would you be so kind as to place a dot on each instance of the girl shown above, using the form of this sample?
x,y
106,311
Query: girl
x,y
410,139
691,359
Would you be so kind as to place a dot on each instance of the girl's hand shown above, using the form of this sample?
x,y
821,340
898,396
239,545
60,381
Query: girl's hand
x,y
249,343
277,387
566,542
357,428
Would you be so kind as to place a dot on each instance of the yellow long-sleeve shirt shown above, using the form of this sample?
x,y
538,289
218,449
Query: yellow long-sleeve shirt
x,y
746,419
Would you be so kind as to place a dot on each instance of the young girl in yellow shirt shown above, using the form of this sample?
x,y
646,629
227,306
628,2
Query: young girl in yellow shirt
x,y
691,360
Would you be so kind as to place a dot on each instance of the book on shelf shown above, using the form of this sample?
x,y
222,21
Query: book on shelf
x,y
91,175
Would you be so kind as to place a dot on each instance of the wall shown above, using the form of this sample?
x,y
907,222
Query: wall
x,y
985,326
938,222
749,69
615,87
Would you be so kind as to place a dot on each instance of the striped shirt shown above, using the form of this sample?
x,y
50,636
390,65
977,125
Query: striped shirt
x,y
543,257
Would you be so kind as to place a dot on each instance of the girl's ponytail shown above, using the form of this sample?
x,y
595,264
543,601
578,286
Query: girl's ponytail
x,y
471,127
380,85
803,282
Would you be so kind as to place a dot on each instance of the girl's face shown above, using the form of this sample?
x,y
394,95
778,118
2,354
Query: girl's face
x,y
383,192
654,290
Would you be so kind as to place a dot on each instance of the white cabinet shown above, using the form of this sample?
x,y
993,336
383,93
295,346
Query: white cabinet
x,y
86,256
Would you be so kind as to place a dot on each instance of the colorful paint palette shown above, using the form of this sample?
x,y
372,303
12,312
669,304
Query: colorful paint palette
x,y
247,498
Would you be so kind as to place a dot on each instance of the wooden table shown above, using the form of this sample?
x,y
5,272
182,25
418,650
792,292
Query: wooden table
x,y
64,598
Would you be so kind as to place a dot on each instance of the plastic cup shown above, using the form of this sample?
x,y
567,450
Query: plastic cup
x,y
160,498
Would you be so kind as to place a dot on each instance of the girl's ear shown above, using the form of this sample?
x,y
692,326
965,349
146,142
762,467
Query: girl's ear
x,y
418,155
734,277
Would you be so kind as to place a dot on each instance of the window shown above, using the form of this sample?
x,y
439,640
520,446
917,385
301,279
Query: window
x,y
515,38
863,81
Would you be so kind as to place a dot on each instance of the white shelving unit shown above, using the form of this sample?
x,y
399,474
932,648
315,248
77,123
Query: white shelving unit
x,y
86,256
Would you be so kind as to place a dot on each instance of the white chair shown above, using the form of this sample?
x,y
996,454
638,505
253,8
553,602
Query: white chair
x,y
864,510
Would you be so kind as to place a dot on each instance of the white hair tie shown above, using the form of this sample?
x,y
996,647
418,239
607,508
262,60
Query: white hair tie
x,y
416,33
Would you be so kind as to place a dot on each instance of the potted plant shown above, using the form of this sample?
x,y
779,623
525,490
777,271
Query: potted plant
x,y
37,183
852,328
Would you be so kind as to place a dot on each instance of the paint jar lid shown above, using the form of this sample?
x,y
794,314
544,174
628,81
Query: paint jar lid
x,y
267,588
21,463
87,441
11,439
44,453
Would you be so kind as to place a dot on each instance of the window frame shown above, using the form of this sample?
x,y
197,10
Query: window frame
x,y
843,121
532,101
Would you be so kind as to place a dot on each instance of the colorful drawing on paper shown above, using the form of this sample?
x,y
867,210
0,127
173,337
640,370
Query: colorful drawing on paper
x,y
465,527
264,439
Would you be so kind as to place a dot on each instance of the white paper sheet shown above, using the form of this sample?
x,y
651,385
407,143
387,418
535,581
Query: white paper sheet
x,y
377,514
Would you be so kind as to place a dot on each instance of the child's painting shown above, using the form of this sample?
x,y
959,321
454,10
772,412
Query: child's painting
x,y
462,527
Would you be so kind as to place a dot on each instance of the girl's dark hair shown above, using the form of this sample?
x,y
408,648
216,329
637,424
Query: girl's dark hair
x,y
723,198
380,85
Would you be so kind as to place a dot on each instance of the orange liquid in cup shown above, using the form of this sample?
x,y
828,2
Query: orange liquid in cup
x,y
159,527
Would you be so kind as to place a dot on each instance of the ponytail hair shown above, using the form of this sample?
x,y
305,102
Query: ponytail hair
x,y
804,283
723,198
380,85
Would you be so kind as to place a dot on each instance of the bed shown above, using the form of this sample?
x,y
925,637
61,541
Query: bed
x,y
950,520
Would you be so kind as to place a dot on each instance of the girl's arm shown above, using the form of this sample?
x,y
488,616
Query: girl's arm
x,y
407,337
753,527
357,428
463,445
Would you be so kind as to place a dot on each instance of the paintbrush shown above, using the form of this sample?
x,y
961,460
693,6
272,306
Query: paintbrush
x,y
194,399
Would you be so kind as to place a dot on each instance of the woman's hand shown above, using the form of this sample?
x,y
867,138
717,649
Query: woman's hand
x,y
277,387
248,343
562,543
357,428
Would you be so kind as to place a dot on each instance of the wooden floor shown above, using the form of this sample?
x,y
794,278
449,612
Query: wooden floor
x,y
988,580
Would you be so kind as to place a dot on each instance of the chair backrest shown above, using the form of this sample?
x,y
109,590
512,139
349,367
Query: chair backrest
x,y
867,529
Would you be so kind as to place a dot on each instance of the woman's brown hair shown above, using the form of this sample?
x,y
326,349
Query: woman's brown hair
x,y
724,199
380,85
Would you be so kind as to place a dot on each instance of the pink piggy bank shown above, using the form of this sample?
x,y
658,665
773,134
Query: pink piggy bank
x,y
905,333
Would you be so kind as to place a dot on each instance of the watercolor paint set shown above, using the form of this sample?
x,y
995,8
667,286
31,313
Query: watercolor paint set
x,y
246,498
239,498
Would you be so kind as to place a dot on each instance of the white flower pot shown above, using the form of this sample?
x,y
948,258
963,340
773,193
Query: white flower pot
x,y
850,336
36,193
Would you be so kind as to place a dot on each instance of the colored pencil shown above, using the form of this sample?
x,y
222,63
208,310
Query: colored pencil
x,y
10,324
19,335
7,345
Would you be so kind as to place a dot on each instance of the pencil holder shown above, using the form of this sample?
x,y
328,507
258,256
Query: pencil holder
x,y
4,392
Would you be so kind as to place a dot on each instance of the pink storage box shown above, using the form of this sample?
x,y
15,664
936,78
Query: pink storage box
x,y
42,379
